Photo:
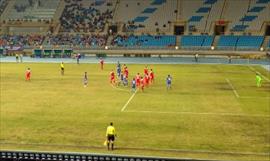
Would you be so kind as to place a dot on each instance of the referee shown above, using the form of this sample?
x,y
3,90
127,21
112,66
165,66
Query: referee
x,y
62,68
110,134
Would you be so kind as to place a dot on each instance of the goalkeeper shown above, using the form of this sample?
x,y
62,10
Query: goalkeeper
x,y
258,80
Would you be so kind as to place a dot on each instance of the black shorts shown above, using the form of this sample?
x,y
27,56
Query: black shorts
x,y
110,137
62,69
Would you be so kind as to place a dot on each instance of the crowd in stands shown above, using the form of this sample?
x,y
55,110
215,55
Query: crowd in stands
x,y
77,17
61,39
3,5
22,7
21,40
77,40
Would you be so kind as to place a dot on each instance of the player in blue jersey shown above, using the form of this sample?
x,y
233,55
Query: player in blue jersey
x,y
118,69
169,82
133,85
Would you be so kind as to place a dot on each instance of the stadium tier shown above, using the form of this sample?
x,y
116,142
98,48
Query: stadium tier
x,y
203,41
240,42
144,41
95,23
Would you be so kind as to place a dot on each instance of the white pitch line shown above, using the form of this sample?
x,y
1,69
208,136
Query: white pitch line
x,y
251,97
234,91
254,70
124,107
199,113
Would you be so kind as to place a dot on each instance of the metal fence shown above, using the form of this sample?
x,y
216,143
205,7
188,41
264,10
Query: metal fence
x,y
50,156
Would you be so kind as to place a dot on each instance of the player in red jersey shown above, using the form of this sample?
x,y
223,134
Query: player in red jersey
x,y
142,83
112,78
146,70
146,80
138,81
126,72
28,74
151,76
101,61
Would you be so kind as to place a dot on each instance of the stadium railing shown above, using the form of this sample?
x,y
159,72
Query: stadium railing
x,y
46,156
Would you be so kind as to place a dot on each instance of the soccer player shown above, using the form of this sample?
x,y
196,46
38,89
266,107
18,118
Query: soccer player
x,y
85,79
146,70
142,83
112,77
125,81
28,74
110,134
118,69
138,80
126,71
151,76
196,57
78,58
169,82
62,68
101,61
258,80
133,85
21,57
17,58
146,80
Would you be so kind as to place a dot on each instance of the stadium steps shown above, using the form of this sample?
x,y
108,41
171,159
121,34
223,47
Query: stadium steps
x,y
266,42
109,40
9,7
216,39
178,40
59,11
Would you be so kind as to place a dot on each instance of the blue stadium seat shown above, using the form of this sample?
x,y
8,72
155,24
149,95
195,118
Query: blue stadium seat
x,y
149,10
269,44
227,41
195,18
263,1
147,41
203,10
210,1
256,9
140,19
251,42
196,41
248,18
158,2
239,27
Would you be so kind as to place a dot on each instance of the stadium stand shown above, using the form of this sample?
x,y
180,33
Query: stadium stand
x,y
34,10
240,42
247,14
3,5
198,41
146,16
144,41
86,16
81,41
21,40
249,42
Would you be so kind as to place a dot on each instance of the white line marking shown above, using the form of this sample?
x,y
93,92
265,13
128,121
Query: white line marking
x,y
120,89
124,107
254,70
232,87
250,97
199,113
129,148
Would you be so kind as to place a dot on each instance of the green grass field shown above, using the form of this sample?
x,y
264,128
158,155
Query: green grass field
x,y
212,111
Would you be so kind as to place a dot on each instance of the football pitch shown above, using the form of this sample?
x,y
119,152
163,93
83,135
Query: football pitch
x,y
212,111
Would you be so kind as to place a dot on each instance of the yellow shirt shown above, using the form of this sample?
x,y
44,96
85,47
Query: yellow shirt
x,y
110,130
62,65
